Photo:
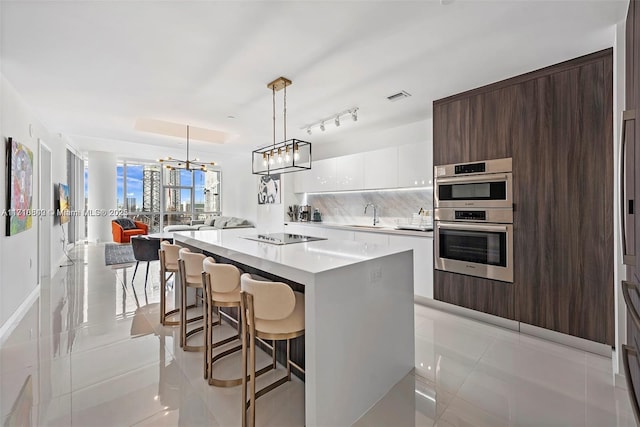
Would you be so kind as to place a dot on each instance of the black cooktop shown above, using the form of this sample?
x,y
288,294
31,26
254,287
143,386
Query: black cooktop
x,y
282,238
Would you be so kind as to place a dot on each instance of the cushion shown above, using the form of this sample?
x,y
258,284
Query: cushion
x,y
221,221
126,223
210,220
180,227
235,222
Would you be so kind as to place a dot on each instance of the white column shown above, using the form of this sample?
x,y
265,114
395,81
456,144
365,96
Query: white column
x,y
102,194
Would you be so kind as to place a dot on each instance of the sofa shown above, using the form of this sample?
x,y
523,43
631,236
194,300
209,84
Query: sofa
x,y
211,223
123,228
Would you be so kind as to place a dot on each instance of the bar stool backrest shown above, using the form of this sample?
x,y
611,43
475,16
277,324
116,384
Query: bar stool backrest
x,y
271,300
224,277
192,265
170,254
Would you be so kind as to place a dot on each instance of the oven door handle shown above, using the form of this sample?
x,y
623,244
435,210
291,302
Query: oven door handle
x,y
473,227
493,177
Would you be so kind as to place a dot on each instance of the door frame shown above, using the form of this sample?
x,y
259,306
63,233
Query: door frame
x,y
43,220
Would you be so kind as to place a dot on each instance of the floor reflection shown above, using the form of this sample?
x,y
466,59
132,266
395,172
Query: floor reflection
x,y
94,353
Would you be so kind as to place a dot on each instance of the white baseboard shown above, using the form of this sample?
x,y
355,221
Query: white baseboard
x,y
10,325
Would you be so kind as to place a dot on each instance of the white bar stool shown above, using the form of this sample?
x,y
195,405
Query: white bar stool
x,y
168,255
273,311
190,268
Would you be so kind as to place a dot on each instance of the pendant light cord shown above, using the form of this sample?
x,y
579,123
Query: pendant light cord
x,y
273,90
285,113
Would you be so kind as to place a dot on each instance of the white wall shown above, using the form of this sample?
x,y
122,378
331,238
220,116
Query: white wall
x,y
19,253
102,195
239,188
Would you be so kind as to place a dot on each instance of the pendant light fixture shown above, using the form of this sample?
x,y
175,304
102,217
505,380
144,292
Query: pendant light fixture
x,y
291,155
195,164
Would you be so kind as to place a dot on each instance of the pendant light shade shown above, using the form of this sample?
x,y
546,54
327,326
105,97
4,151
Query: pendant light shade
x,y
289,155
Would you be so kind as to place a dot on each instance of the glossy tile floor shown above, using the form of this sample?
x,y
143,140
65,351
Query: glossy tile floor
x,y
91,352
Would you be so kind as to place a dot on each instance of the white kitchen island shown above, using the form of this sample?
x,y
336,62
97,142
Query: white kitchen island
x,y
359,338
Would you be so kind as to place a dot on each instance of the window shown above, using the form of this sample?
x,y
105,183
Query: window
x,y
189,195
138,192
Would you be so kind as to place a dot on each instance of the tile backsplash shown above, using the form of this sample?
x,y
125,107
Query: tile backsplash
x,y
348,208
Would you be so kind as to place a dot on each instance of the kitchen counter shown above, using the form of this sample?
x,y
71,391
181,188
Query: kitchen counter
x,y
357,296
364,228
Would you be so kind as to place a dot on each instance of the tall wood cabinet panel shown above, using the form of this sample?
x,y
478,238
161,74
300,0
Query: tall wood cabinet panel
x,y
557,125
564,238
451,131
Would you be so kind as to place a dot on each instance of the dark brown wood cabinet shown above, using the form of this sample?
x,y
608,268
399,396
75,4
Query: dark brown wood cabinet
x,y
630,195
557,125
488,296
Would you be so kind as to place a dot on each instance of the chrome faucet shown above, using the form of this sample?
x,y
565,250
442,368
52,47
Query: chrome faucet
x,y
375,212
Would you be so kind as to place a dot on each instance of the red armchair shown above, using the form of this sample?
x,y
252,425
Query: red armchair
x,y
123,230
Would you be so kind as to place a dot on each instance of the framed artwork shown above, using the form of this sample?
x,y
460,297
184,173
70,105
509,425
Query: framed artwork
x,y
269,189
20,187
63,202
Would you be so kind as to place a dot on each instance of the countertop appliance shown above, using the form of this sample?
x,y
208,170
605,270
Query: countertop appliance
x,y
282,238
473,216
486,184
304,213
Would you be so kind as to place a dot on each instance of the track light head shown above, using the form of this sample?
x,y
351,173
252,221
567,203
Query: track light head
x,y
322,126
354,115
337,121
309,131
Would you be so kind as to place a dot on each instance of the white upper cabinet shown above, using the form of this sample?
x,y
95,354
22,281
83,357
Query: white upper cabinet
x,y
415,165
350,172
381,168
321,177
408,165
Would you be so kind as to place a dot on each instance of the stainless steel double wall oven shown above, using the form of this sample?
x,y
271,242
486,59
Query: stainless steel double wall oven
x,y
474,219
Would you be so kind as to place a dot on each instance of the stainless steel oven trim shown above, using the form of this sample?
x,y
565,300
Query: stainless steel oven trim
x,y
491,166
485,177
499,215
507,203
493,272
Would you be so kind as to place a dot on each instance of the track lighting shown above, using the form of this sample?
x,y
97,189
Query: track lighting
x,y
335,118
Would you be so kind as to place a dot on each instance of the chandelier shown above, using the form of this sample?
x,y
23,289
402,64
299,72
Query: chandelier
x,y
289,155
195,164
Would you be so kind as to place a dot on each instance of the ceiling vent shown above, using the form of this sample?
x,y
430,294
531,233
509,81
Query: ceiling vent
x,y
398,96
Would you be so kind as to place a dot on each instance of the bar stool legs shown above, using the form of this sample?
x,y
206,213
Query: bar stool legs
x,y
190,268
168,255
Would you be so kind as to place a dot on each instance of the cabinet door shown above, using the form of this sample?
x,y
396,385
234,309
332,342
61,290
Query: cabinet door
x,y
335,234
415,165
374,238
350,172
322,176
422,262
381,168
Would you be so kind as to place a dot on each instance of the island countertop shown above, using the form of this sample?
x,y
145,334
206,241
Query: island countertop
x,y
292,260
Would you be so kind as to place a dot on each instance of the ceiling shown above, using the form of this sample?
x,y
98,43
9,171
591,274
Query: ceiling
x,y
90,69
